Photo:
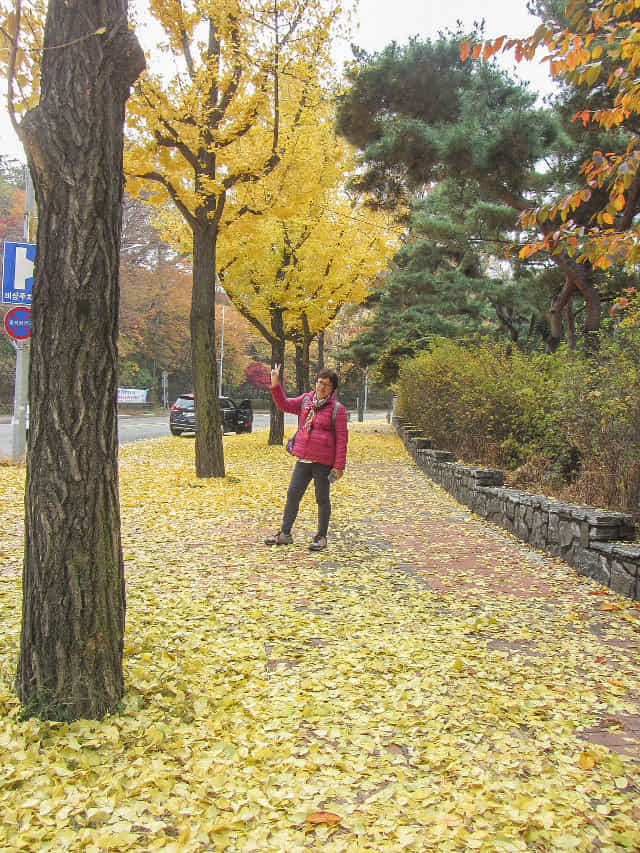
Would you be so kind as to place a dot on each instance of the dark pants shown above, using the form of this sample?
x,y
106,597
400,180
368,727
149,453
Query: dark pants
x,y
302,475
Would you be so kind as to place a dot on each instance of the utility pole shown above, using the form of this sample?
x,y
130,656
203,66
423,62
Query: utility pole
x,y
366,390
221,353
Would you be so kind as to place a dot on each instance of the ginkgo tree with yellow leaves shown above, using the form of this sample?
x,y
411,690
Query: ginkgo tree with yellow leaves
x,y
347,252
292,277
306,248
221,121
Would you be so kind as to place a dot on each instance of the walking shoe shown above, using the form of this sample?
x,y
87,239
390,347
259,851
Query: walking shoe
x,y
279,538
318,543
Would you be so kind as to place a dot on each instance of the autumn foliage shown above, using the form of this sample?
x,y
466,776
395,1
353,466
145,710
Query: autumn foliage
x,y
597,47
257,374
11,213
242,75
428,685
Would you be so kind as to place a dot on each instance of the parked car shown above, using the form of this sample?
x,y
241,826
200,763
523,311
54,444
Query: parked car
x,y
235,417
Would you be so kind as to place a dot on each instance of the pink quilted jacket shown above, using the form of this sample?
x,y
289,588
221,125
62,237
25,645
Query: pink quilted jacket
x,y
325,444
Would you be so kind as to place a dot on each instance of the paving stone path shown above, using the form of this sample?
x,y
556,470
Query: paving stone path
x,y
536,617
455,553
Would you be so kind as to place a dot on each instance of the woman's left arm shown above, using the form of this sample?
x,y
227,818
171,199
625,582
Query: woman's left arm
x,y
342,437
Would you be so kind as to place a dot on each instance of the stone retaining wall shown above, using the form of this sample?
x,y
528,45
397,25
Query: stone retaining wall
x,y
590,540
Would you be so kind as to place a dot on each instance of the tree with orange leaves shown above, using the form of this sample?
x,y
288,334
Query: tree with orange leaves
x,y
597,47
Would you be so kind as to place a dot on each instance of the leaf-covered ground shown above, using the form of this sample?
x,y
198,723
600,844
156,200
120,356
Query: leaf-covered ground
x,y
425,684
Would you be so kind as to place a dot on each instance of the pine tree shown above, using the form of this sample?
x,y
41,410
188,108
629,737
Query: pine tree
x,y
463,142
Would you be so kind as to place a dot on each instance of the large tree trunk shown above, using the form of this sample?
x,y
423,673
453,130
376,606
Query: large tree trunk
x,y
581,277
73,608
303,371
571,325
209,450
301,385
556,313
507,317
592,318
276,419
302,340
307,339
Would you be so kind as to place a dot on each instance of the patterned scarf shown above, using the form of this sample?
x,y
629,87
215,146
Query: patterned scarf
x,y
309,414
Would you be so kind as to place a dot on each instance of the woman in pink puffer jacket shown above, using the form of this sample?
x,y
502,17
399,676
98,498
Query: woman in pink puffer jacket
x,y
320,444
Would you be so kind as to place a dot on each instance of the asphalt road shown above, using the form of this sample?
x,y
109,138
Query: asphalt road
x,y
137,427
130,428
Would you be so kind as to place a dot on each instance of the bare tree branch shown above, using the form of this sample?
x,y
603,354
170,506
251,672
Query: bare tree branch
x,y
162,179
11,71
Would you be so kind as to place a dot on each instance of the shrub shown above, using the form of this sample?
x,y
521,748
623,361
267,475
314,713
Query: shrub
x,y
599,404
574,421
484,402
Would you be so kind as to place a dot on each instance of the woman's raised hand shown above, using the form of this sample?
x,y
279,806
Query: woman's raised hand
x,y
275,375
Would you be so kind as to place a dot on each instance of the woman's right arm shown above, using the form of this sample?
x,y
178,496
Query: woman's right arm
x,y
284,403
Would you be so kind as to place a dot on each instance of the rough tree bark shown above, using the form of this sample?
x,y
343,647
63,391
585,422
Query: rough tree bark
x,y
582,279
321,351
571,325
507,317
301,387
73,612
209,450
307,339
276,419
556,312
302,339
579,279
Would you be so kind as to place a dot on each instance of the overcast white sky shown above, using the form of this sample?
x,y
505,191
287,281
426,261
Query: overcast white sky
x,y
383,21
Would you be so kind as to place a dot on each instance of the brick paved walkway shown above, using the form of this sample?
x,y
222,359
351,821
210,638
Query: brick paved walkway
x,y
462,556
527,654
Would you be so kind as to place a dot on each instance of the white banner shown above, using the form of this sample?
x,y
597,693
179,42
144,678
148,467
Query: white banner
x,y
132,395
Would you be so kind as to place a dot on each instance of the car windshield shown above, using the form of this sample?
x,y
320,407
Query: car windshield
x,y
184,403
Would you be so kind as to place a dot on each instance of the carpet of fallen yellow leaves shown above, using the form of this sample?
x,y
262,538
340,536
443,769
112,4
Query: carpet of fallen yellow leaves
x,y
279,700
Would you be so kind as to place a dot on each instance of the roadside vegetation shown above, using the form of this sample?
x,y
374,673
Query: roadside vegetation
x,y
563,425
521,233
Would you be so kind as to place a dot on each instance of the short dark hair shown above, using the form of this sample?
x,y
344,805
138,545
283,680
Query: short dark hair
x,y
326,373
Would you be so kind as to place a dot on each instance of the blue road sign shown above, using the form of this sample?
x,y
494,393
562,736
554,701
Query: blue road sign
x,y
17,273
18,323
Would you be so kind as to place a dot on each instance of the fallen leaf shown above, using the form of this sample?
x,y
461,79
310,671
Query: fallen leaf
x,y
328,818
586,761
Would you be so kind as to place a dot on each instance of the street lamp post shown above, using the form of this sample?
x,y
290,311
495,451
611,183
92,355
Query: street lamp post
x,y
221,353
366,390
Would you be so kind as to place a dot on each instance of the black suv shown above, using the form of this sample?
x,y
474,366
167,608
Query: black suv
x,y
235,417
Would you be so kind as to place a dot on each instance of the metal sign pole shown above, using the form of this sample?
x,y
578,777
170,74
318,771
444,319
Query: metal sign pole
x,y
21,392
19,422
366,390
221,354
165,389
